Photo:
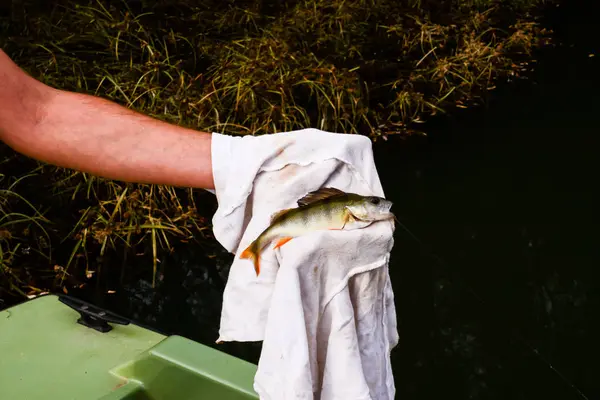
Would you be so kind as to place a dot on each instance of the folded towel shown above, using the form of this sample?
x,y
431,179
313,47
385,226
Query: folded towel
x,y
322,304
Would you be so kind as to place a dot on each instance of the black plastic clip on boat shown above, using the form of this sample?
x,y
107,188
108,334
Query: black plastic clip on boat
x,y
92,316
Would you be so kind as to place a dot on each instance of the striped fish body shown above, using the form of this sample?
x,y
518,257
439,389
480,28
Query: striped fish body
x,y
326,214
324,209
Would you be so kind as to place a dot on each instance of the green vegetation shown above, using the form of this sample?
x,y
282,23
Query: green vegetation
x,y
21,224
246,67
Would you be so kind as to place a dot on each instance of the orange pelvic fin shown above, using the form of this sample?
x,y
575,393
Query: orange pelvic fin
x,y
282,241
249,253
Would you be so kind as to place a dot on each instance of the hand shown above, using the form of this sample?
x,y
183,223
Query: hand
x,y
257,176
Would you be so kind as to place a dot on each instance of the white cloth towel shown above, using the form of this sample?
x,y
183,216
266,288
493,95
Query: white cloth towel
x,y
323,304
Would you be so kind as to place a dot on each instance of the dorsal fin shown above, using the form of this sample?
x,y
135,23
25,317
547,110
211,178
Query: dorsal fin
x,y
279,214
319,194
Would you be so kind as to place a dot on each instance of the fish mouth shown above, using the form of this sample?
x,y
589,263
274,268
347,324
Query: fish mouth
x,y
388,211
388,205
390,215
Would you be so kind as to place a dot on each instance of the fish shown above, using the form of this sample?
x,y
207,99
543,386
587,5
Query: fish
x,y
327,208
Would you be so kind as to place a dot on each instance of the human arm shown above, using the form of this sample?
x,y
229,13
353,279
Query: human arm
x,y
94,135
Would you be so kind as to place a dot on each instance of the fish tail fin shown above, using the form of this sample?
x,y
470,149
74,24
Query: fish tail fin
x,y
251,253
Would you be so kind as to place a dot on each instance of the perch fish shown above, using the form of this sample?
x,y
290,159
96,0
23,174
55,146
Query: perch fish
x,y
323,209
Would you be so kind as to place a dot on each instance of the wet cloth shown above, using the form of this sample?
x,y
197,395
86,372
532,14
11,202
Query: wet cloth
x,y
322,304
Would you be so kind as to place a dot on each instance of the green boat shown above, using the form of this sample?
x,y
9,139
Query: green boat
x,y
58,347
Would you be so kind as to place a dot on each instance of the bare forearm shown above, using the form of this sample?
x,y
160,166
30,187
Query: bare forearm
x,y
97,136
94,135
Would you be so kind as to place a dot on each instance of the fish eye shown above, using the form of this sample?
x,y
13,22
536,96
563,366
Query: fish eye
x,y
374,200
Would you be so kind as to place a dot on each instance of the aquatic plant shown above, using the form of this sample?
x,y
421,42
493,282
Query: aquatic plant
x,y
22,231
253,67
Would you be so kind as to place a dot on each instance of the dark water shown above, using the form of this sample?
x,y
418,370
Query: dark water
x,y
504,196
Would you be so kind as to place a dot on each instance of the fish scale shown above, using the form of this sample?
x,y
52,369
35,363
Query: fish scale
x,y
326,208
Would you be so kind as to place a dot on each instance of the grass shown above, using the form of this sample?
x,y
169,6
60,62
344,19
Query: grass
x,y
21,224
248,67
